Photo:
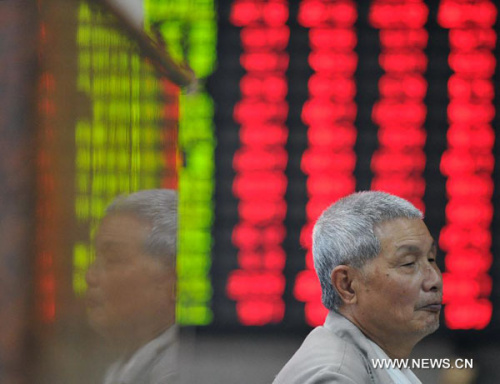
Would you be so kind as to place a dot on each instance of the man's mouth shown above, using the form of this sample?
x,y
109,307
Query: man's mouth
x,y
92,302
432,307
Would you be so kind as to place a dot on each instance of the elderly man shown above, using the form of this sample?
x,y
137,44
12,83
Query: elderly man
x,y
376,263
131,286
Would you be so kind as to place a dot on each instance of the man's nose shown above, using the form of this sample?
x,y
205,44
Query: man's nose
x,y
433,280
92,275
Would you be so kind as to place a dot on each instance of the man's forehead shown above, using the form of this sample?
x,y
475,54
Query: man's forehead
x,y
109,244
402,232
414,247
118,229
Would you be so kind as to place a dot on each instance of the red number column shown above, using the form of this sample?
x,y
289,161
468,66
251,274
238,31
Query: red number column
x,y
260,162
468,163
329,113
46,228
400,112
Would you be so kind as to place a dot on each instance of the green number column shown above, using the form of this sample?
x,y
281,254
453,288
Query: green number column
x,y
189,29
119,136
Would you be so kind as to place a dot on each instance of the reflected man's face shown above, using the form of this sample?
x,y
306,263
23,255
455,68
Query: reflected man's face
x,y
127,288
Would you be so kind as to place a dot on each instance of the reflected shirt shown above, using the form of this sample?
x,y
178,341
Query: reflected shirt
x,y
153,363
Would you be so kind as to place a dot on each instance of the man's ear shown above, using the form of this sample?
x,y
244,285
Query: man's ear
x,y
173,285
166,279
342,278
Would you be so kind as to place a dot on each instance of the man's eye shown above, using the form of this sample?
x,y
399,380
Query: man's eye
x,y
409,264
432,260
112,260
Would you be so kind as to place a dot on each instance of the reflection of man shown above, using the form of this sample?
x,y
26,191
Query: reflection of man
x,y
376,263
131,286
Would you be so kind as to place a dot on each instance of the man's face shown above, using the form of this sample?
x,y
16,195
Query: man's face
x,y
400,290
126,287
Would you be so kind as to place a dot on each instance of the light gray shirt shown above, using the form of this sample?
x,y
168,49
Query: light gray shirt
x,y
337,352
400,376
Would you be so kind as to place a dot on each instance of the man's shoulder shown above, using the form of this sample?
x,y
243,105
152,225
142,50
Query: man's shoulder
x,y
153,363
324,355
165,367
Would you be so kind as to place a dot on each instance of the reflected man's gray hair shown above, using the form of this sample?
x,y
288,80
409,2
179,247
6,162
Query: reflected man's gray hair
x,y
344,234
157,207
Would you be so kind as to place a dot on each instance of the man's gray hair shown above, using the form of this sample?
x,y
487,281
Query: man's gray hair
x,y
157,207
344,234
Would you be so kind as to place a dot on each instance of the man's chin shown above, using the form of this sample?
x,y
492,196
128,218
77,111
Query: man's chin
x,y
97,320
430,327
